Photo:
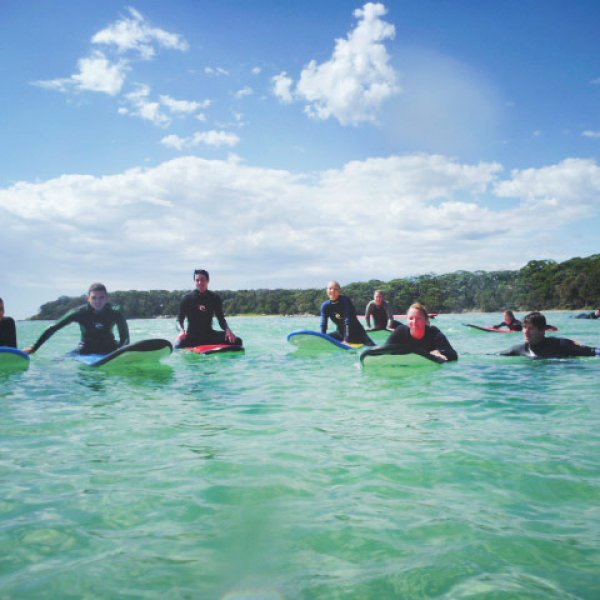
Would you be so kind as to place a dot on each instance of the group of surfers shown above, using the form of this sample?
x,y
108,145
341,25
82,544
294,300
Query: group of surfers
x,y
97,319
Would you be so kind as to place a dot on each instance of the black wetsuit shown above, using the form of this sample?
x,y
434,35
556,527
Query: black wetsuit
x,y
433,339
382,315
8,332
591,315
199,310
516,325
96,329
550,347
343,314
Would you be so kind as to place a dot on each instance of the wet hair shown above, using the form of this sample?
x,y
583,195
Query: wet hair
x,y
1,301
378,292
97,287
421,308
201,272
510,313
535,318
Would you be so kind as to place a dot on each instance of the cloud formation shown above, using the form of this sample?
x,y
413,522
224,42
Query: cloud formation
x,y
258,227
352,85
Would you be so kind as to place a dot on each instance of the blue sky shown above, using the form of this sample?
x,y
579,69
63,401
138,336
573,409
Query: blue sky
x,y
283,144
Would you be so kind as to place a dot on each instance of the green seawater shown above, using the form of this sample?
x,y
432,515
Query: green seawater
x,y
267,475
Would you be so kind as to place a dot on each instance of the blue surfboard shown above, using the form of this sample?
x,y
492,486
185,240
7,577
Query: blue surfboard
x,y
146,352
13,359
308,341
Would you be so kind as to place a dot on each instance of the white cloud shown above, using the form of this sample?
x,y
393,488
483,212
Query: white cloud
x,y
96,74
390,217
207,138
141,106
591,134
183,106
256,70
358,78
215,71
135,34
245,91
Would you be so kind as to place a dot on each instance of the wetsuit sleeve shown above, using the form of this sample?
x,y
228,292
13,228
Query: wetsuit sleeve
x,y
368,313
123,328
389,311
182,313
573,349
219,313
443,345
513,351
500,325
70,317
349,314
8,332
324,316
398,336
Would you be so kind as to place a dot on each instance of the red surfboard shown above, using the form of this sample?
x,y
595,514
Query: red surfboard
x,y
215,348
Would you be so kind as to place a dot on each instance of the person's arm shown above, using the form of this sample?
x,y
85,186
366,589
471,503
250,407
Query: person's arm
x,y
500,325
180,321
368,314
513,351
229,335
324,316
576,349
70,317
123,329
443,348
390,314
349,314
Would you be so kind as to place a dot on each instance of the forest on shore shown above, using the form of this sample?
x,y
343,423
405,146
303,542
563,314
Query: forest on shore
x,y
540,285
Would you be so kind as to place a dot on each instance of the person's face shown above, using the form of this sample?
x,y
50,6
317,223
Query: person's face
x,y
508,318
378,297
201,282
333,291
532,334
416,323
97,300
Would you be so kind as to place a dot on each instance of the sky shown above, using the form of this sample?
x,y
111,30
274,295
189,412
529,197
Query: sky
x,y
283,144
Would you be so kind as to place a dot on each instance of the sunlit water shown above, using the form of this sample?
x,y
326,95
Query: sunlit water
x,y
266,475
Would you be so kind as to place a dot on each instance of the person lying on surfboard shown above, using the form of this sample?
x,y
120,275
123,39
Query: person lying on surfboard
x,y
341,311
97,319
383,316
537,345
199,307
8,331
510,321
419,336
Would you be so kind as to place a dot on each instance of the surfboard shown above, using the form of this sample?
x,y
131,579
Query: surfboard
x,y
13,359
379,336
490,329
215,348
309,341
398,357
145,352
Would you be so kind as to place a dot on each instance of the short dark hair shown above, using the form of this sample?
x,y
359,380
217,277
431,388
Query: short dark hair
x,y
201,272
535,318
97,287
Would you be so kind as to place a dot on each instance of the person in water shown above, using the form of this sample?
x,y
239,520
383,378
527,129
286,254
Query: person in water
x,y
510,321
419,336
379,308
537,345
592,315
199,307
97,319
341,311
8,331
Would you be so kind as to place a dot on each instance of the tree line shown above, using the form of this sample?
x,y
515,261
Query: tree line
x,y
540,285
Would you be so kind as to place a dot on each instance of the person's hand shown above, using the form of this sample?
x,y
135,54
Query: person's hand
x,y
28,350
438,354
230,336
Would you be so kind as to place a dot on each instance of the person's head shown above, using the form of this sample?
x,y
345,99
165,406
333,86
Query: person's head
x,y
509,316
378,297
1,308
418,319
534,327
201,278
97,296
597,312
334,290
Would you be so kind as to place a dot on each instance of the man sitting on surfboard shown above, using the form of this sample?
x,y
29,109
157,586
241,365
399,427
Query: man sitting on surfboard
x,y
537,345
420,336
379,308
97,320
8,331
341,311
199,307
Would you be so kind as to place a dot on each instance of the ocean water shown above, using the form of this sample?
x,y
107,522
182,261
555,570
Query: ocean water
x,y
266,475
